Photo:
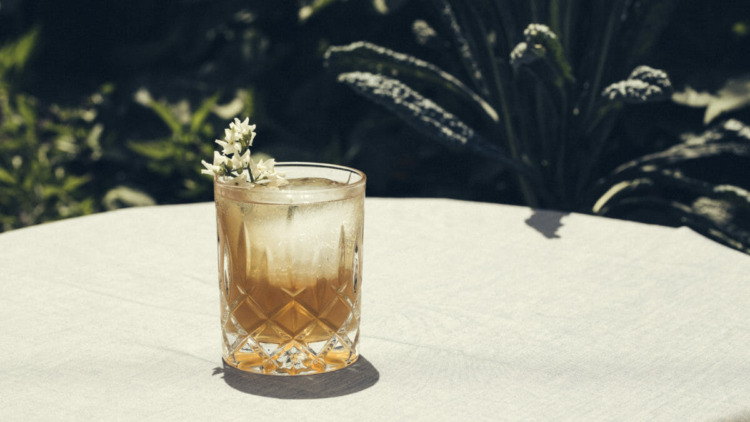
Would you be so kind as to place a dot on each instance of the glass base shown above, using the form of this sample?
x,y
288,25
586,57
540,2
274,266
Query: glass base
x,y
294,358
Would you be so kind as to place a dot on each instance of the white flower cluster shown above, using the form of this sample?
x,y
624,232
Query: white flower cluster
x,y
645,84
235,164
536,31
537,39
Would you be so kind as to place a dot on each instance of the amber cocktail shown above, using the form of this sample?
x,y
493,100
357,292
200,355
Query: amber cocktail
x,y
290,270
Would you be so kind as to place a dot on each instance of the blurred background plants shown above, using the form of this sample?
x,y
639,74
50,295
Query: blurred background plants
x,y
543,92
113,104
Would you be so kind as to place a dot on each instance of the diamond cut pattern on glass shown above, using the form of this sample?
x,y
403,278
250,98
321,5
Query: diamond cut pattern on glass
x,y
307,325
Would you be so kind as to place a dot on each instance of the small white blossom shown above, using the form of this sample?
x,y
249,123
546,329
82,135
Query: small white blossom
x,y
242,179
231,136
229,148
235,164
218,167
536,30
240,131
267,166
267,174
240,162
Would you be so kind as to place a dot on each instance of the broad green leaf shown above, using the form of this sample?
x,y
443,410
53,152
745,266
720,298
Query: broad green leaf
x,y
166,116
242,102
686,152
733,95
366,57
202,113
26,110
730,138
424,115
466,50
6,177
387,6
314,7
708,219
156,150
644,27
714,223
672,181
15,55
74,182
124,196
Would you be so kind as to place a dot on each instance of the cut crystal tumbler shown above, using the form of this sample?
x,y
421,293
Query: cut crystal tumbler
x,y
290,270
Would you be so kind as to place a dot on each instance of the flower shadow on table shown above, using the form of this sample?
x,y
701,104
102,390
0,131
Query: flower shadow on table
x,y
356,377
547,223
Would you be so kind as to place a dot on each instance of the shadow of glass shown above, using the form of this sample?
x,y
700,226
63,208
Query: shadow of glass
x,y
356,377
547,223
740,417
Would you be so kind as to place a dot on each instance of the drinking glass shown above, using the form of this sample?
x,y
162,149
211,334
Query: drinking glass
x,y
290,270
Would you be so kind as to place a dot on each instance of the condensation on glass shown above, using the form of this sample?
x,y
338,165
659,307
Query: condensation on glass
x,y
290,270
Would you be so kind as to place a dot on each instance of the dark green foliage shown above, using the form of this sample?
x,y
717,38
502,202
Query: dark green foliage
x,y
555,106
42,149
111,104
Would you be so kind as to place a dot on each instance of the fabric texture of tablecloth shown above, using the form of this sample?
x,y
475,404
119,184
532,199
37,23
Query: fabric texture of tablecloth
x,y
469,313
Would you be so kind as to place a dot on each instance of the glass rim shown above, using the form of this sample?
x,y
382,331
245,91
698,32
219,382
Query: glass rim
x,y
266,195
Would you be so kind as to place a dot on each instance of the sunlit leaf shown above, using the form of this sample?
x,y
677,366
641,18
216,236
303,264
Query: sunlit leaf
x,y
242,101
709,218
26,110
729,138
6,177
124,196
366,57
156,150
166,115
716,211
466,51
733,95
423,114
200,115
312,8
387,6
74,182
15,55
673,181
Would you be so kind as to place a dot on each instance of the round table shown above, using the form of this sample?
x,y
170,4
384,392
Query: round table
x,y
471,311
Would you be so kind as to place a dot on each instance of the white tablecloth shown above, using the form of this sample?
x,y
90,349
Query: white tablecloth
x,y
469,313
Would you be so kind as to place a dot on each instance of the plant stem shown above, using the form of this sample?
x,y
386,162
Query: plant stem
x,y
534,11
567,24
524,185
606,124
603,54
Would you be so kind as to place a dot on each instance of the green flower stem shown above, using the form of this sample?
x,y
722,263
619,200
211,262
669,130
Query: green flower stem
x,y
558,96
606,124
567,24
612,25
507,24
554,17
534,11
528,194
525,186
